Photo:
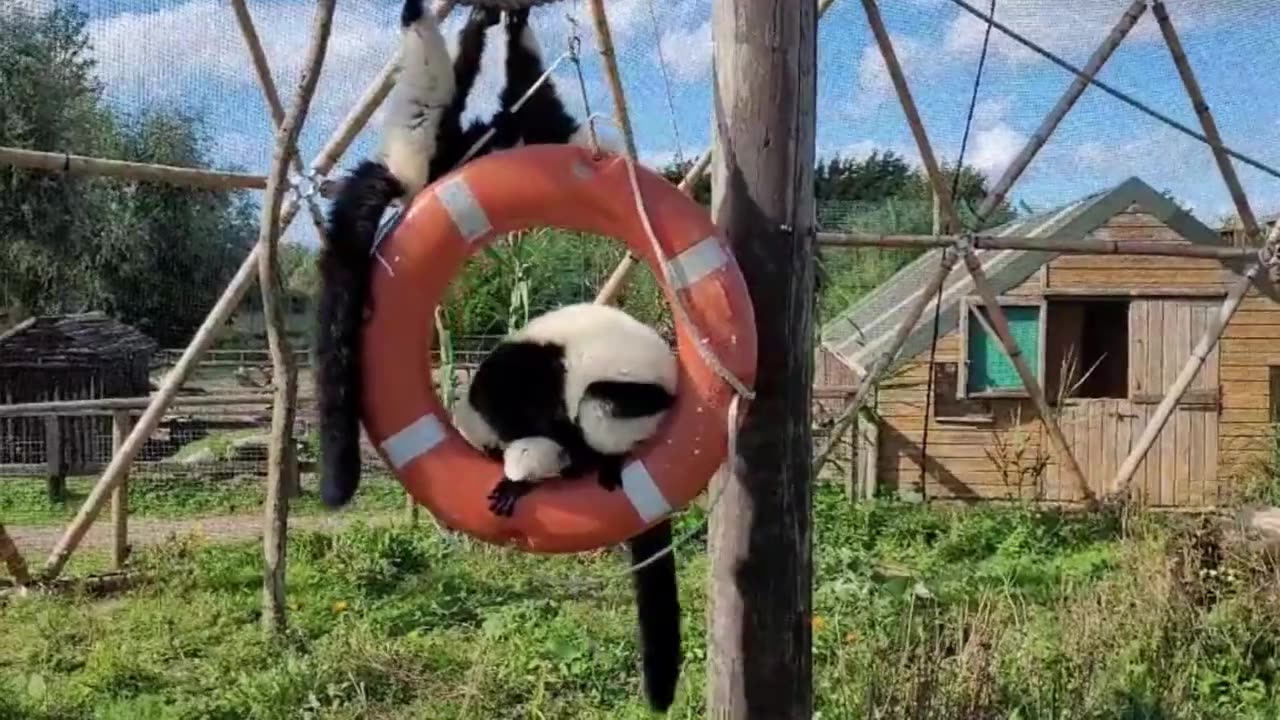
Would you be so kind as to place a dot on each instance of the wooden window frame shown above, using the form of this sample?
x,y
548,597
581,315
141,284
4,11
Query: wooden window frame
x,y
967,305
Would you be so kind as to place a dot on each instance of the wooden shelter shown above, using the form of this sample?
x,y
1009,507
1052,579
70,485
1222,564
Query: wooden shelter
x,y
68,357
1105,335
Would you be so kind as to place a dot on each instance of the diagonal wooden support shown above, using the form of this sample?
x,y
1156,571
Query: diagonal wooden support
x,y
1061,108
209,329
908,324
13,559
1000,324
936,179
1207,122
1210,337
263,69
609,291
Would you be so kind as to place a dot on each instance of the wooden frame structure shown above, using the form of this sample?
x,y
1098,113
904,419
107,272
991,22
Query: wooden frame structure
x,y
760,48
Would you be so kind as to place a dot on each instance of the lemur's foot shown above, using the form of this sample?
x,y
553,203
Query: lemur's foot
x,y
518,18
485,17
502,501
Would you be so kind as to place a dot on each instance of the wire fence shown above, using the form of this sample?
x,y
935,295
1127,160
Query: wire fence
x,y
155,256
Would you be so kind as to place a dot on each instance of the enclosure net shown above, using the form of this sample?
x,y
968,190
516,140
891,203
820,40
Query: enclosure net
x,y
172,83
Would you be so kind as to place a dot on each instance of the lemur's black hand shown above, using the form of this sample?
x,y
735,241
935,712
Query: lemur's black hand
x,y
502,500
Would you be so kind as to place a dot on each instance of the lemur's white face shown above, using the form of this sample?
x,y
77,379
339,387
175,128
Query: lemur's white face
x,y
533,458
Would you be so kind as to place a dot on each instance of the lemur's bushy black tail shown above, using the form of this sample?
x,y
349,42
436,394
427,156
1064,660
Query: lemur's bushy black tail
x,y
658,610
345,264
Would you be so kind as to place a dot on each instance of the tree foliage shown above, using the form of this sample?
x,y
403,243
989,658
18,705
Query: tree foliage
x,y
153,254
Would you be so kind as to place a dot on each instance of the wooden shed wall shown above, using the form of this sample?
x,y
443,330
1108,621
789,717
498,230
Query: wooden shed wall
x,y
86,440
990,448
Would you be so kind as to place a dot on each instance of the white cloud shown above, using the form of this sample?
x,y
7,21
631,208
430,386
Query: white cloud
x,y
874,84
687,52
993,148
990,111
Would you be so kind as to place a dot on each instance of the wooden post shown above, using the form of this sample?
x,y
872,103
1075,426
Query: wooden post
x,y
13,559
618,277
1000,324
759,617
284,368
54,456
1124,475
1207,122
120,424
899,80
868,381
1062,107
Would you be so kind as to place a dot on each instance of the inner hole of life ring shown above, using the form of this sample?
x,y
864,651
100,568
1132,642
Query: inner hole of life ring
x,y
521,275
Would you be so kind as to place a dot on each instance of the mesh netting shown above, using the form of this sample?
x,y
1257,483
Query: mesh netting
x,y
171,83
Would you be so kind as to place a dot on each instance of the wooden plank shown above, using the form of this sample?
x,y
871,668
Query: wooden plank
x,y
1146,262
761,594
1121,278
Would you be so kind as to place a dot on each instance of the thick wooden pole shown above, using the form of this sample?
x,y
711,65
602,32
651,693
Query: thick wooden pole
x,y
936,179
284,368
1124,475
1063,106
120,423
1000,324
1207,122
101,167
609,291
760,659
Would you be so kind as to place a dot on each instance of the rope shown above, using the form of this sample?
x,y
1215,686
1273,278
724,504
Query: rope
x,y
1118,94
937,301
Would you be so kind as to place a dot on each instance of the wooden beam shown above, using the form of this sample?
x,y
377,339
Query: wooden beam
x,y
1124,475
760,608
1207,122
108,406
618,278
1087,245
269,92
284,370
147,172
899,80
1000,324
1062,107
120,497
869,380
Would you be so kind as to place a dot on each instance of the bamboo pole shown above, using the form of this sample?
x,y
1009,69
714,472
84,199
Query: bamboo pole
x,y
1000,323
120,497
1063,106
850,413
13,559
1207,122
609,291
1124,475
284,370
1066,246
263,70
913,115
146,172
610,57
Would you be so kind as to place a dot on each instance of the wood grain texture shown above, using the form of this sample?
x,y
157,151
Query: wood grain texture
x,y
760,658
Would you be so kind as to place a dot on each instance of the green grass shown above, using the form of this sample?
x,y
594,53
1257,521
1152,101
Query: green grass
x,y
24,501
919,613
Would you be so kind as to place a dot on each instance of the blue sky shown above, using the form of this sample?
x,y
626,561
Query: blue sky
x,y
189,53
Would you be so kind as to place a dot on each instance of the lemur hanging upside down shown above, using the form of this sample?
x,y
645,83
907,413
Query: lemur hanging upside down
x,y
422,139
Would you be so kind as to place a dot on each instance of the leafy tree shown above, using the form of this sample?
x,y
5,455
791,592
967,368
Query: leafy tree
x,y
152,254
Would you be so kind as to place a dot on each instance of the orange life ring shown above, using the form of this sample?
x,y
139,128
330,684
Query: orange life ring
x,y
566,187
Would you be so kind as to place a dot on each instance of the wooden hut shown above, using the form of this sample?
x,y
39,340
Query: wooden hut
x,y
1106,335
68,357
